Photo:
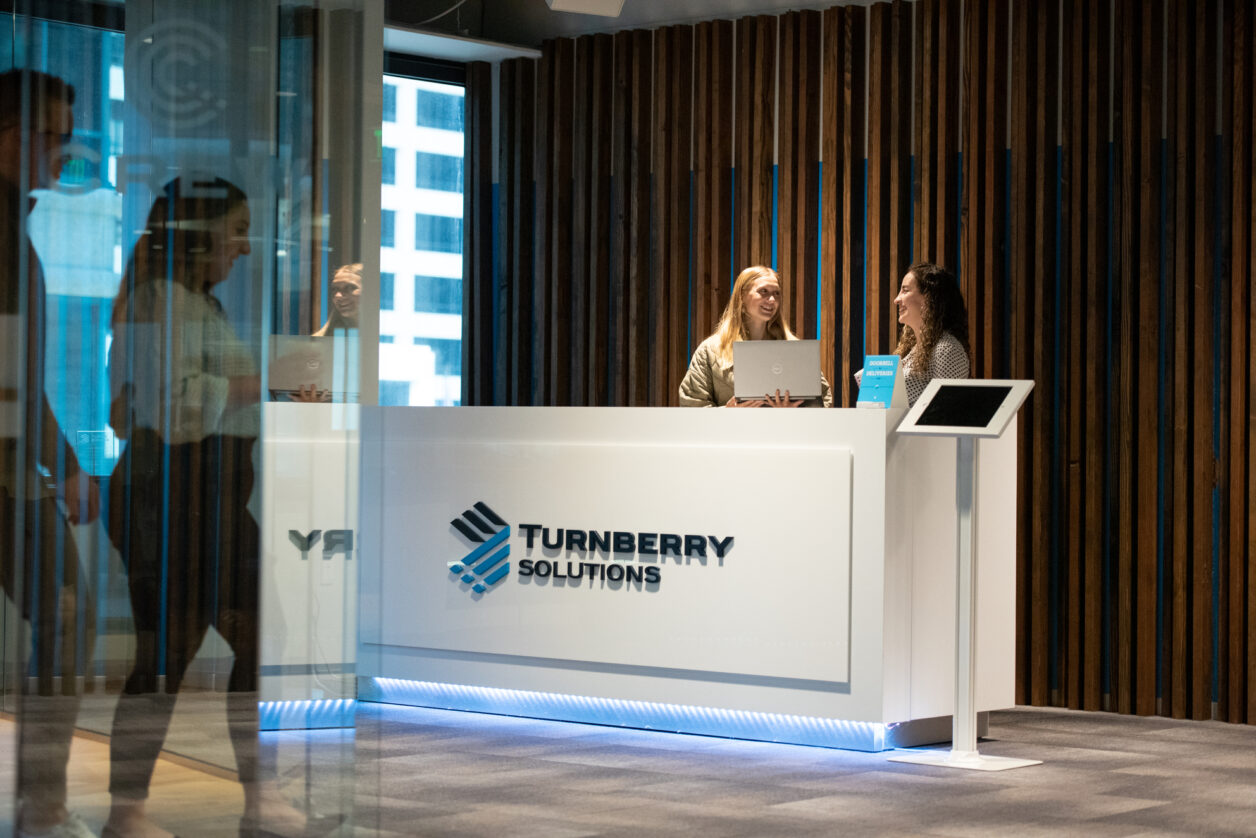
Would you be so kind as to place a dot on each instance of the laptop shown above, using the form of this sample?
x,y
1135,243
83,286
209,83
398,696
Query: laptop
x,y
328,364
764,366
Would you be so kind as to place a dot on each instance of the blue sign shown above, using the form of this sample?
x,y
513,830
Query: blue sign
x,y
876,389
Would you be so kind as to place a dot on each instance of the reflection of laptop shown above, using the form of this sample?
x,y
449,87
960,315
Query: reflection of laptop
x,y
327,364
762,367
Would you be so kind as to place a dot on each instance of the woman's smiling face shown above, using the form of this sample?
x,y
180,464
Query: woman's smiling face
x,y
911,305
763,299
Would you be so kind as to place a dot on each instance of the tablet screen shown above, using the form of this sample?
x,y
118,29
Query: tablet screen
x,y
963,406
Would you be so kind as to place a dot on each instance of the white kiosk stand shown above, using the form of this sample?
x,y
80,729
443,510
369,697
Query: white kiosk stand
x,y
967,410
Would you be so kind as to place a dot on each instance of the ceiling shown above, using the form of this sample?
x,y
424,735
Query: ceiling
x,y
529,22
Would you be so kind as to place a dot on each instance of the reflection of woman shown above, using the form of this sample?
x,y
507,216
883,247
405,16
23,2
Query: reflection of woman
x,y
934,339
753,313
186,393
346,291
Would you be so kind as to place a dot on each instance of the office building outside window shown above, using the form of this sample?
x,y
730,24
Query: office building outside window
x,y
420,324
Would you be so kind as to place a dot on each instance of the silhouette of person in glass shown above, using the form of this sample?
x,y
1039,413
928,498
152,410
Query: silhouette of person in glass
x,y
186,398
38,558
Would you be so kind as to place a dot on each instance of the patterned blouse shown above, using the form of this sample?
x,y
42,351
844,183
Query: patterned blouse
x,y
949,360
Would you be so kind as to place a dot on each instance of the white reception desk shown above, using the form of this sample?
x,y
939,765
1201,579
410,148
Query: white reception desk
x,y
778,575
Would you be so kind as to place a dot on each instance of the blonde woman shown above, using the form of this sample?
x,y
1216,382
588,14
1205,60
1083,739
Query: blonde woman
x,y
754,312
346,291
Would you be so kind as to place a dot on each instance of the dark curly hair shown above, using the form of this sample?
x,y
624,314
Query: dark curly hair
x,y
943,311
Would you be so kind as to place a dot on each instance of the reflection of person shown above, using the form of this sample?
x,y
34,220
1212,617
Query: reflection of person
x,y
45,721
186,400
754,312
934,339
346,291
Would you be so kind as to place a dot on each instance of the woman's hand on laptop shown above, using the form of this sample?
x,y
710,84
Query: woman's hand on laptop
x,y
745,402
781,401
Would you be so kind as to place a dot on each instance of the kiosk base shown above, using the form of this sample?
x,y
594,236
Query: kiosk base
x,y
965,759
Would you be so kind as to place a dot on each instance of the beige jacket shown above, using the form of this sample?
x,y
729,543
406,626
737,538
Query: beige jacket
x,y
709,381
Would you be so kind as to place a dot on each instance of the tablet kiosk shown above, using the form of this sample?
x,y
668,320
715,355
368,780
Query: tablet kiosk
x,y
967,410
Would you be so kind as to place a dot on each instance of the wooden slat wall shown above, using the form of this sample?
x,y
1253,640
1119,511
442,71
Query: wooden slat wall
x,y
1238,629
514,246
754,112
1105,243
1136,295
1085,210
889,170
982,270
669,295
935,141
798,169
597,209
713,177
842,211
1034,175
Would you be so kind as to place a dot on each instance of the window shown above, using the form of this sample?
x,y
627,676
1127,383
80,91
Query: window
x,y
386,225
438,171
438,294
390,102
394,392
440,108
388,166
422,363
386,339
385,292
448,354
438,233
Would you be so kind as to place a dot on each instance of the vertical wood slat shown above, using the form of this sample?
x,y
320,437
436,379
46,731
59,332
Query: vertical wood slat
x,y
754,115
799,168
679,163
889,184
1139,37
1032,240
1204,384
984,149
1182,48
713,165
477,263
845,75
670,218
543,321
1234,378
639,221
558,391
1098,50
516,155
1076,225
1241,124
935,144
1246,78
581,235
597,330
1150,210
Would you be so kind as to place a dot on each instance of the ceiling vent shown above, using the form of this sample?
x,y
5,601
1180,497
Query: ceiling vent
x,y
606,8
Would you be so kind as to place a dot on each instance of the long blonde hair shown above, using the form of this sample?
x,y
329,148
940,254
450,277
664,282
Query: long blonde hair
x,y
733,326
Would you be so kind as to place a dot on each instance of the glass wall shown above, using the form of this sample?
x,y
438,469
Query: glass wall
x,y
181,183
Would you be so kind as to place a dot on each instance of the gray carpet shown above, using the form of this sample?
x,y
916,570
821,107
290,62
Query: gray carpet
x,y
436,773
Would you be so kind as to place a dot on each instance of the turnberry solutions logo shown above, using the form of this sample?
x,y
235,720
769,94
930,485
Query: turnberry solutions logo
x,y
486,564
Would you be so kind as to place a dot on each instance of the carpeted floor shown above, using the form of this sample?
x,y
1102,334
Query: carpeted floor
x,y
434,773
416,772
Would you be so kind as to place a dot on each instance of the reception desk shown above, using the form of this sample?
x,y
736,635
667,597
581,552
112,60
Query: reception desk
x,y
778,575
